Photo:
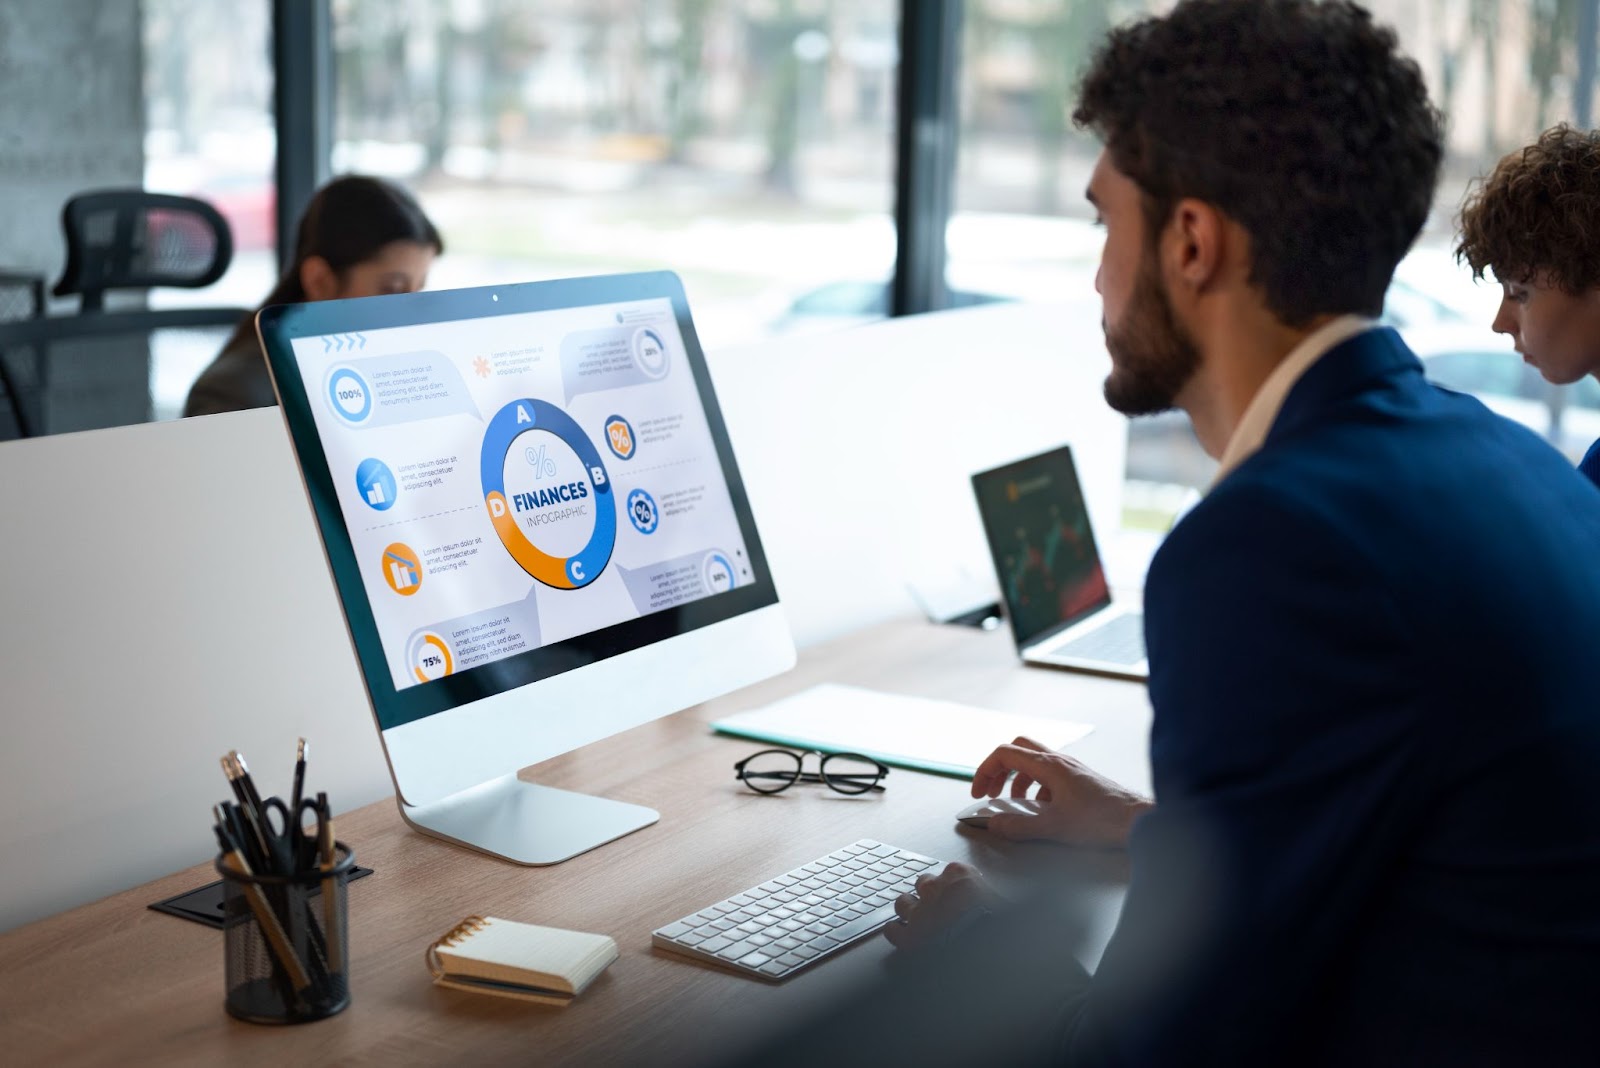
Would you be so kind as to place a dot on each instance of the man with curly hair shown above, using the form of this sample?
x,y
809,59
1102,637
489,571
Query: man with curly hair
x,y
1375,837
1535,222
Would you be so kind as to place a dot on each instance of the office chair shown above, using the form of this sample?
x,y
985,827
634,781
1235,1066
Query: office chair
x,y
123,239
130,239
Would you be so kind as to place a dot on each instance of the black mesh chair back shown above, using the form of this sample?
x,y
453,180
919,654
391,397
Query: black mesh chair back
x,y
131,239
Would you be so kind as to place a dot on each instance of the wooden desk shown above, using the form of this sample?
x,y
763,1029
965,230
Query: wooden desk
x,y
113,981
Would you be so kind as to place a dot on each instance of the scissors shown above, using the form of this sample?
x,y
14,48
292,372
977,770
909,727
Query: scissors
x,y
293,847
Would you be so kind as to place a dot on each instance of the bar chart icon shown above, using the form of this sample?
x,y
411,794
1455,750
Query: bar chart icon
x,y
401,569
375,483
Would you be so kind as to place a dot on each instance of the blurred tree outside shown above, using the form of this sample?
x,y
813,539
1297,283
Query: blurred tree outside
x,y
686,78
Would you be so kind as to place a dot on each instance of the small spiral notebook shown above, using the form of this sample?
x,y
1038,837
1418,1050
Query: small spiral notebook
x,y
519,960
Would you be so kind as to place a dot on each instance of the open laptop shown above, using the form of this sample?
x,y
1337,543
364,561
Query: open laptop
x,y
1052,582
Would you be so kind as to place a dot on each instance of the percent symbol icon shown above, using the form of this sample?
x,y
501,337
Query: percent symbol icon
x,y
542,465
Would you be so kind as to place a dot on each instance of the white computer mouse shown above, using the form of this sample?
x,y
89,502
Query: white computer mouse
x,y
978,813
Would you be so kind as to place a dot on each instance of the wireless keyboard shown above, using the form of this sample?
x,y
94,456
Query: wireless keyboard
x,y
773,930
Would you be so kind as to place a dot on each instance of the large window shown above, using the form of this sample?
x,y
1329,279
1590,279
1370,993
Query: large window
x,y
1020,230
209,133
749,145
745,144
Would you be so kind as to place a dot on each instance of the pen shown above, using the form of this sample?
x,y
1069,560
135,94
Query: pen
x,y
299,779
271,930
330,907
275,849
297,841
245,780
232,822
250,813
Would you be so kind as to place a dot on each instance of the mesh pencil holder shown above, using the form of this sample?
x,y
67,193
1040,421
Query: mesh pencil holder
x,y
287,948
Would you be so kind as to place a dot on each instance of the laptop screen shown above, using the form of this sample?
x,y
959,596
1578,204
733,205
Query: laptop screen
x,y
1043,547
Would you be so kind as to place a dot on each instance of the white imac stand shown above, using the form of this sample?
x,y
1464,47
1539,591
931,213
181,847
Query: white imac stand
x,y
527,823
450,769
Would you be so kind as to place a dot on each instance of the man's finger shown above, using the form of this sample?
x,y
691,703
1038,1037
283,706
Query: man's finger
x,y
898,934
1008,758
1019,785
1036,763
905,905
991,773
987,783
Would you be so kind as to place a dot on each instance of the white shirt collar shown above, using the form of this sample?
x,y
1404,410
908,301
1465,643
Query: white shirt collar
x,y
1263,409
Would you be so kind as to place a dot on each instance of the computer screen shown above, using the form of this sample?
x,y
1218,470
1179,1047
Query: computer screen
x,y
531,512
1043,546
567,482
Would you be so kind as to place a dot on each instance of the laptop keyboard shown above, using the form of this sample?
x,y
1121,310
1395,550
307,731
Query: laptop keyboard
x,y
791,922
1120,641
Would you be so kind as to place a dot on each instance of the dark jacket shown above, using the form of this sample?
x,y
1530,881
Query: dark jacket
x,y
237,379
1590,465
1375,669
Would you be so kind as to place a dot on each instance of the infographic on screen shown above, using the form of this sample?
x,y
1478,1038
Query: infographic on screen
x,y
1044,550
512,481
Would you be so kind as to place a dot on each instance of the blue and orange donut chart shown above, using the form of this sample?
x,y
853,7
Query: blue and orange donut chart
x,y
525,416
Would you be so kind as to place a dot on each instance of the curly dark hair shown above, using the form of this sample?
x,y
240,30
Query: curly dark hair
x,y
1537,214
1299,120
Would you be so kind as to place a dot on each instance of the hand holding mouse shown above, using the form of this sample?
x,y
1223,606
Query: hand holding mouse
x,y
1080,806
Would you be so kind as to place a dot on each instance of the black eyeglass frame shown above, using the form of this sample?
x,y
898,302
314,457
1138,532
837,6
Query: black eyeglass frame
x,y
844,783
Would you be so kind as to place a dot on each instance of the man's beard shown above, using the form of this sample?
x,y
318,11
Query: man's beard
x,y
1152,355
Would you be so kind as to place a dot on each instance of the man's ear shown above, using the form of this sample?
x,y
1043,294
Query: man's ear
x,y
1197,245
318,279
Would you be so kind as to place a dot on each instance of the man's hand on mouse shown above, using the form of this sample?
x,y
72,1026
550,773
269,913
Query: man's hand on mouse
x,y
1081,807
939,903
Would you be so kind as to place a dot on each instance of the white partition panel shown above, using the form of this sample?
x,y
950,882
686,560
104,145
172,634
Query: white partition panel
x,y
166,600
857,446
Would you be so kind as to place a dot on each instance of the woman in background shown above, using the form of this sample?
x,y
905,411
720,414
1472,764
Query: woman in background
x,y
359,237
1535,222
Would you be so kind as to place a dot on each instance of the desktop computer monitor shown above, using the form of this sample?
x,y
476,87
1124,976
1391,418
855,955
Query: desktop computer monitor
x,y
537,532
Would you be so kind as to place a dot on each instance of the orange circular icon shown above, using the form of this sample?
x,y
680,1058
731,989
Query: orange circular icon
x,y
430,658
402,569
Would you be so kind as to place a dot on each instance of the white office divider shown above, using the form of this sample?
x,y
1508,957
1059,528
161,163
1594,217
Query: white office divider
x,y
165,600
858,446
164,597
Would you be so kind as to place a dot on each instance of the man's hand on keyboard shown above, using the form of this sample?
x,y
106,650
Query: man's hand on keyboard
x,y
939,903
1080,807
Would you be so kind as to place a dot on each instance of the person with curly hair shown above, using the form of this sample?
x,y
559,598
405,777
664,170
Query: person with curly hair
x,y
1535,222
1376,699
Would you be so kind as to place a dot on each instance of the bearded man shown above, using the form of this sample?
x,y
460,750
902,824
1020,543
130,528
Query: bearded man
x,y
1375,837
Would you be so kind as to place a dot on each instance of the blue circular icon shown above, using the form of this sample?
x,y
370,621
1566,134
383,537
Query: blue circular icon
x,y
718,573
348,392
650,352
376,483
642,512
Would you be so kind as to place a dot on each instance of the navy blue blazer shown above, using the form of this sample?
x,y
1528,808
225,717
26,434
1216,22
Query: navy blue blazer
x,y
1375,669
